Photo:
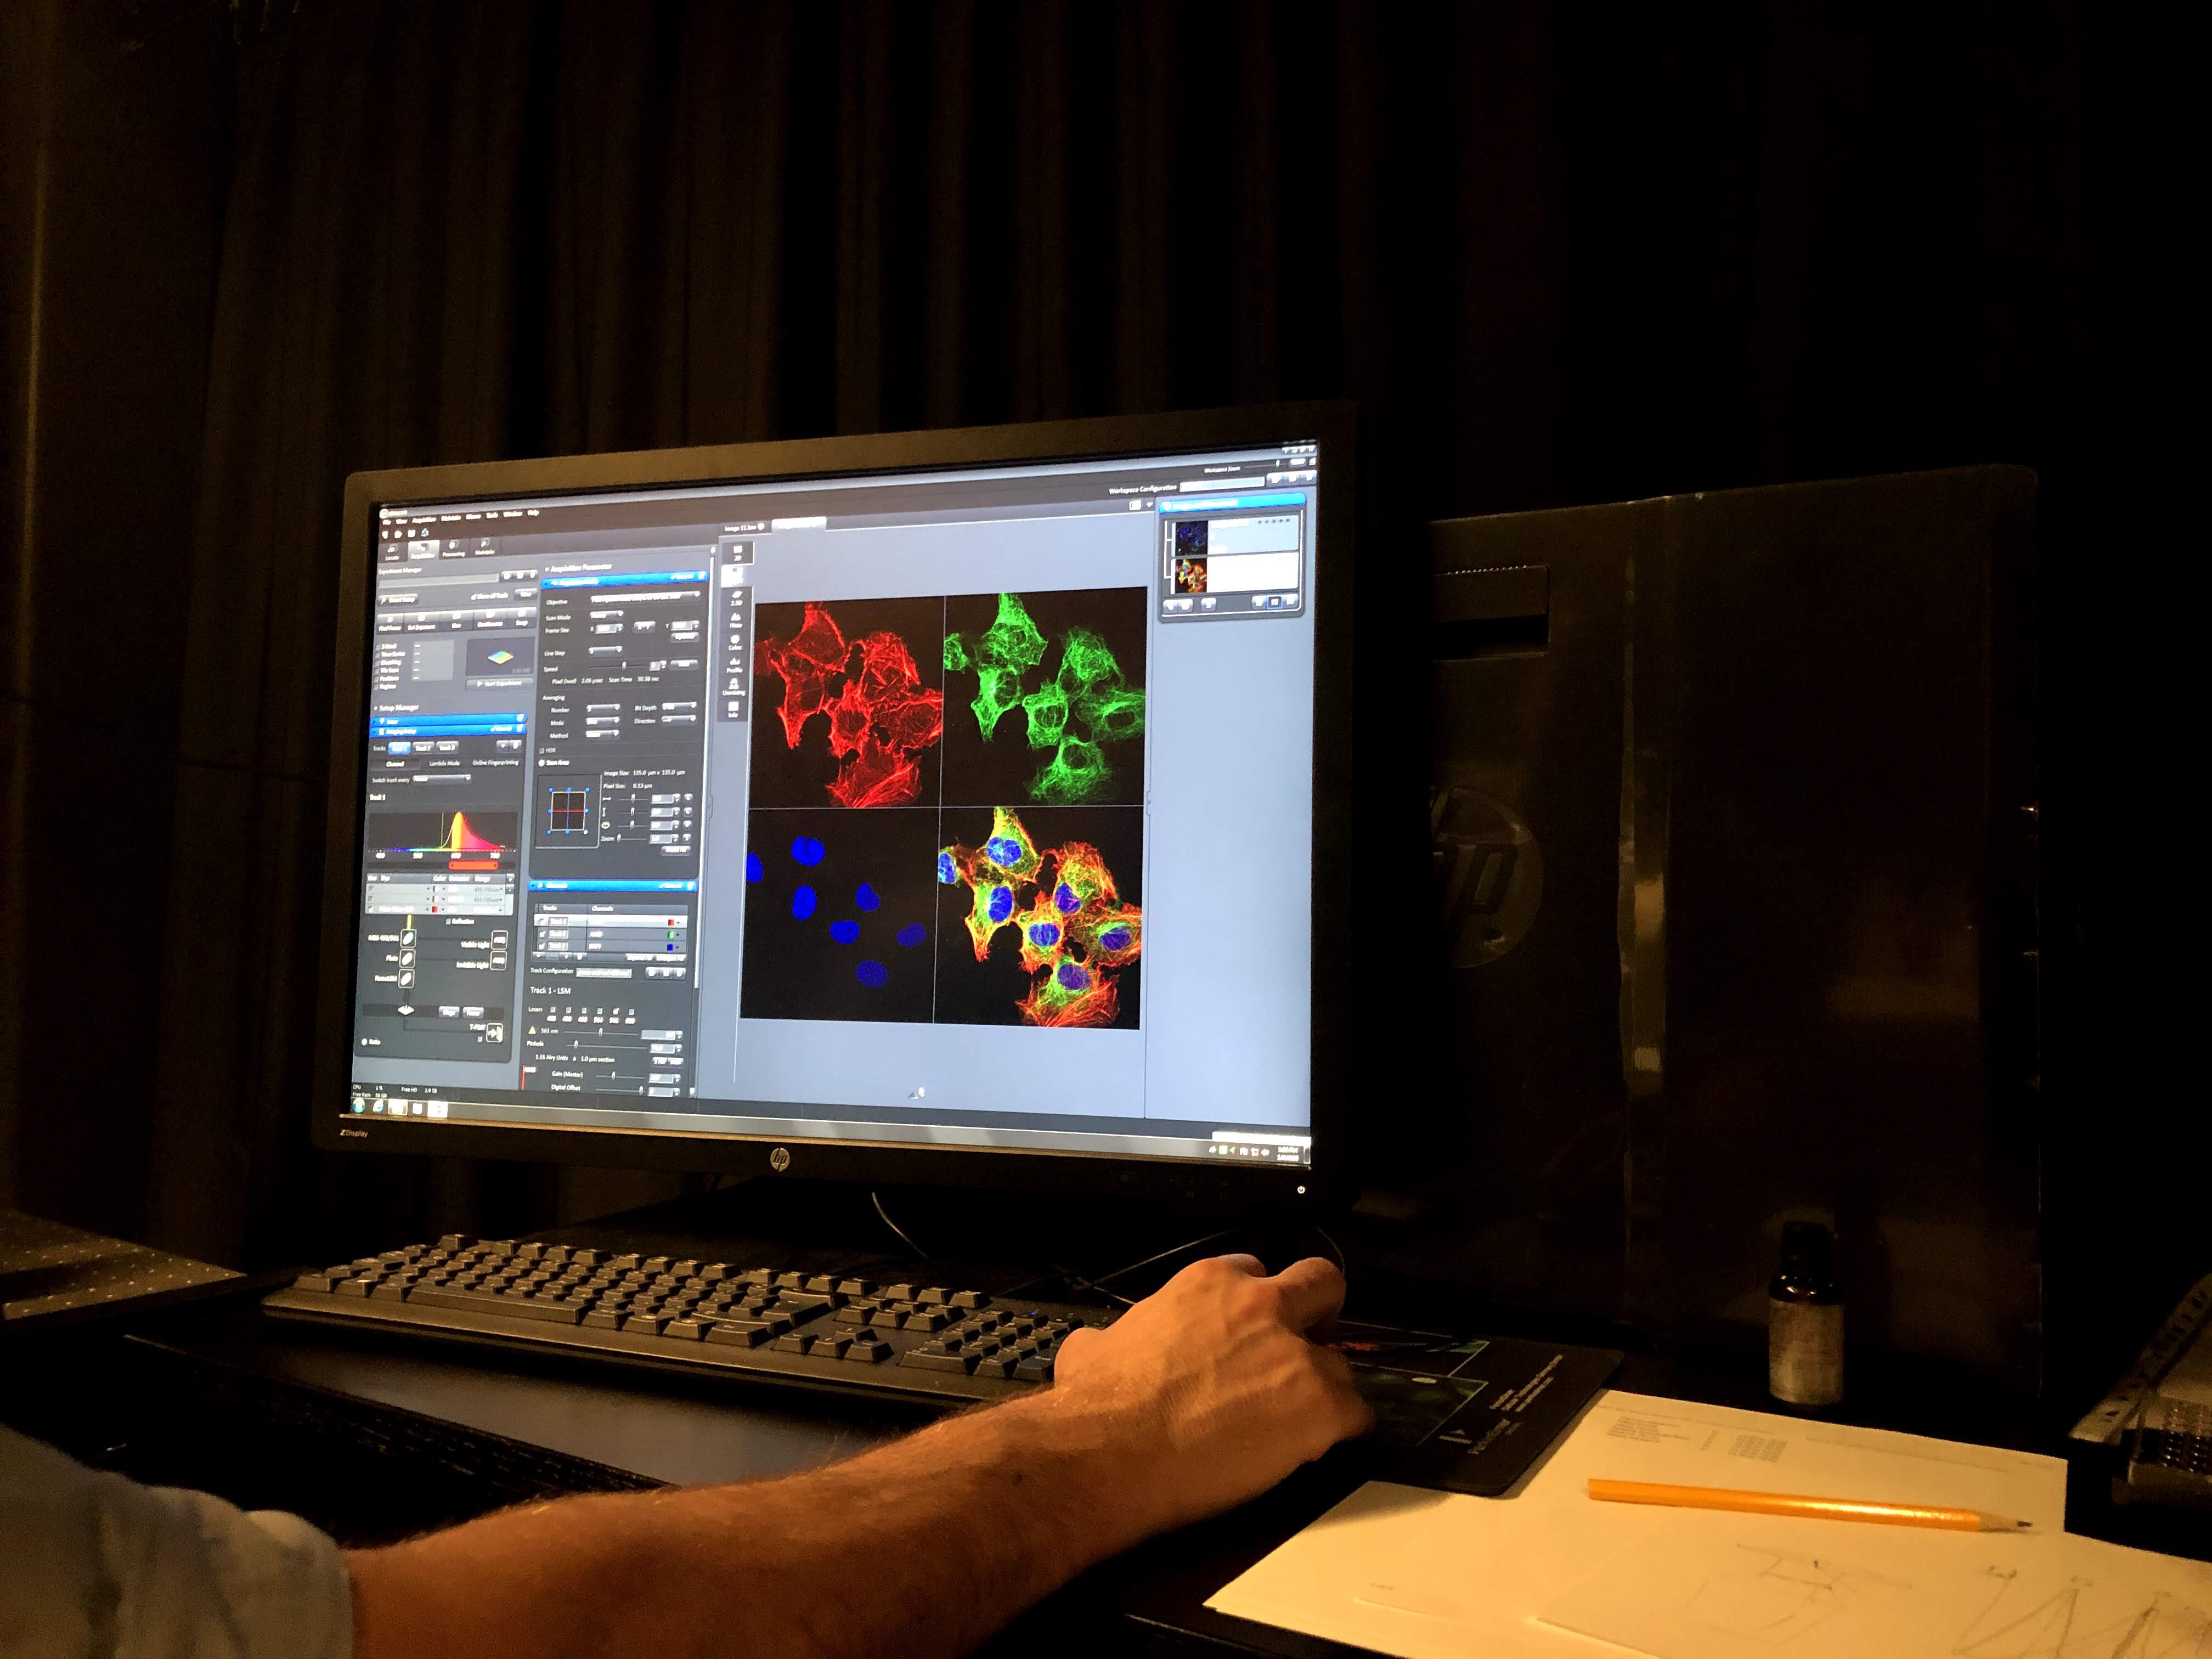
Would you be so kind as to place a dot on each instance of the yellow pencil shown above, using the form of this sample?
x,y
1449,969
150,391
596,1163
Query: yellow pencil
x,y
1825,1509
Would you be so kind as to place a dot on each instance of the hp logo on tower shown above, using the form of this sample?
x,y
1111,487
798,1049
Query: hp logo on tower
x,y
780,1159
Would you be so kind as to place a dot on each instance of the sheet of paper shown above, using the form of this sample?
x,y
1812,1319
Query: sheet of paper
x,y
1441,1575
1699,1595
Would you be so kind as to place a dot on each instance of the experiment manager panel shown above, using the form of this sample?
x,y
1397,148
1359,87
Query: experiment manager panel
x,y
969,807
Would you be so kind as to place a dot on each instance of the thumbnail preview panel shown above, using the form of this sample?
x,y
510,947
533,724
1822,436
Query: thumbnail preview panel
x,y
998,740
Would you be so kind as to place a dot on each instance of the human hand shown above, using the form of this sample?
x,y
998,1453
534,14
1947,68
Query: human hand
x,y
1214,1385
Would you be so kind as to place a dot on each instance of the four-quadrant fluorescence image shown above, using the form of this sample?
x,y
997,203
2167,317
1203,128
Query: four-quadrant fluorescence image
x,y
967,728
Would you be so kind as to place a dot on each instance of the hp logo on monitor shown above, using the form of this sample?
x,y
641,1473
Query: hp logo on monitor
x,y
780,1159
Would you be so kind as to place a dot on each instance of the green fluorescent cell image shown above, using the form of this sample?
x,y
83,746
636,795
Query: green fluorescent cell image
x,y
1078,695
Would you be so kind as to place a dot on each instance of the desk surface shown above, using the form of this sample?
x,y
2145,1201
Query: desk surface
x,y
375,1438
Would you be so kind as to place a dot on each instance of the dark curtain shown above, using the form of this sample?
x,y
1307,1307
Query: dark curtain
x,y
1558,254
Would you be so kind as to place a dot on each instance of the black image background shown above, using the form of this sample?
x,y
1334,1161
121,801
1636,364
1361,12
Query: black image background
x,y
786,777
793,969
999,772
986,993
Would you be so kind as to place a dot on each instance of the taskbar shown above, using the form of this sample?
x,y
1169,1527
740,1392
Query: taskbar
x,y
1284,1148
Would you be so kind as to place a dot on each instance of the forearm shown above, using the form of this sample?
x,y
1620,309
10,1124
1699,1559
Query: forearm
x,y
923,1546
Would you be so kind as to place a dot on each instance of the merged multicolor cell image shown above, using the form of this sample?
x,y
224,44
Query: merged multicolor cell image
x,y
1051,895
947,820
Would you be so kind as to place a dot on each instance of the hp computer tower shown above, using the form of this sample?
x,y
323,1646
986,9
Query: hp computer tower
x,y
1733,817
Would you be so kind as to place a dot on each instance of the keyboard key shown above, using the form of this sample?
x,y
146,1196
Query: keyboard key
x,y
1036,1369
898,1292
868,1351
639,1324
970,1300
604,1319
855,1287
888,1319
392,1290
1003,1367
324,1281
739,1333
794,1343
933,1294
852,1316
922,1360
689,1329
821,1283
510,1307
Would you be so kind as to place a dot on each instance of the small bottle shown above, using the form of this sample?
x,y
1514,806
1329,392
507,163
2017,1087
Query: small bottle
x,y
1805,1320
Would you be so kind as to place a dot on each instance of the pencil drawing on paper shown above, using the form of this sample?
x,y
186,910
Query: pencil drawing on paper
x,y
1776,1597
2076,1621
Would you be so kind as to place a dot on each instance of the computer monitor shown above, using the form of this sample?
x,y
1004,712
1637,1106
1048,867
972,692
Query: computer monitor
x,y
963,807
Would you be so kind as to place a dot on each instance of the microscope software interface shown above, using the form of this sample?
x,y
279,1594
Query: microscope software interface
x,y
968,806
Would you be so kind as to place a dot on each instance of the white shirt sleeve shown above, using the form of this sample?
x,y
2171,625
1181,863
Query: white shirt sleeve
x,y
94,1566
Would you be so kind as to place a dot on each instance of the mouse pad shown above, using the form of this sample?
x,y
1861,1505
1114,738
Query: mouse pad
x,y
1468,1414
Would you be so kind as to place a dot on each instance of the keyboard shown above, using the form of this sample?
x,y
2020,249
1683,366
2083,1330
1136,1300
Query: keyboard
x,y
929,1342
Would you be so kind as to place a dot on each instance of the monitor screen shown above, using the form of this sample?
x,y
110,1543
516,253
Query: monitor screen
x,y
965,807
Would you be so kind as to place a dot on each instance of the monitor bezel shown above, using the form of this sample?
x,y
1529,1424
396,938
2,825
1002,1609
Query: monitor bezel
x,y
1323,1182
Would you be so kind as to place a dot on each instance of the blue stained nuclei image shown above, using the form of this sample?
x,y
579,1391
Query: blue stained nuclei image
x,y
1114,938
807,850
1044,934
1003,850
944,871
1002,903
1072,976
865,898
802,902
1065,897
845,933
872,974
912,934
753,870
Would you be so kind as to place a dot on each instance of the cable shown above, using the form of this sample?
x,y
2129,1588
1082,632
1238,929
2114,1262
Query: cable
x,y
1122,1272
1336,1250
1080,1283
896,1228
